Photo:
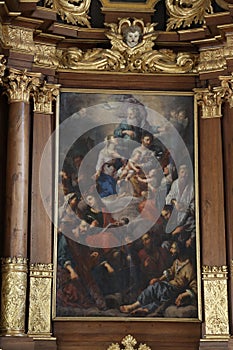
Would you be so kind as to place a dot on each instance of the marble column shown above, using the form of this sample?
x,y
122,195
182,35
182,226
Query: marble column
x,y
18,87
212,219
41,235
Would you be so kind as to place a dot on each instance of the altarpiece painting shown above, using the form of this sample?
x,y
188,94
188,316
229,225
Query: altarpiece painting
x,y
126,237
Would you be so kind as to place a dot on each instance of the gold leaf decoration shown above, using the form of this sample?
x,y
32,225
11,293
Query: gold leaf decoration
x,y
140,58
216,302
183,13
19,85
13,295
72,11
129,343
39,324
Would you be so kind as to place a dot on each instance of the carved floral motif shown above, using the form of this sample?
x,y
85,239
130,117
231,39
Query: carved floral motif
x,y
13,296
46,55
72,11
216,301
183,13
129,343
40,300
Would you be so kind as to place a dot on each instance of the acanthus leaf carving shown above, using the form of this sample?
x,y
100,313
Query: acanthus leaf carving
x,y
72,11
129,343
135,56
19,85
183,13
44,96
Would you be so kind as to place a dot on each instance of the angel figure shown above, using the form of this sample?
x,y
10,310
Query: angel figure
x,y
132,35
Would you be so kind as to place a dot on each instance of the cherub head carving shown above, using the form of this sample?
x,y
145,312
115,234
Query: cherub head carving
x,y
132,35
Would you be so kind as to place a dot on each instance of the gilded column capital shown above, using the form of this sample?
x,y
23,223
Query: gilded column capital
x,y
210,100
39,324
215,293
44,96
13,295
20,84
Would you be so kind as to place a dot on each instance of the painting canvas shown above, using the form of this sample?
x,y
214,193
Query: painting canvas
x,y
126,233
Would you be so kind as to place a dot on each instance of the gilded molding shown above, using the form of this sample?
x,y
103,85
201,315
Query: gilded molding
x,y
13,296
215,59
74,12
129,343
46,55
211,60
17,38
39,323
215,302
183,13
44,96
19,85
147,6
141,58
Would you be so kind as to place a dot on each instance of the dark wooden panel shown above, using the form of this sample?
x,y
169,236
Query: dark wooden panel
x,y
99,335
41,226
127,81
212,193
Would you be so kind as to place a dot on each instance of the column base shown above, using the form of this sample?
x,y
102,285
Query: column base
x,y
48,344
16,343
230,344
210,344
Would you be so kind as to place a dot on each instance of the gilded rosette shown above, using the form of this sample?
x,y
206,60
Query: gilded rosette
x,y
13,296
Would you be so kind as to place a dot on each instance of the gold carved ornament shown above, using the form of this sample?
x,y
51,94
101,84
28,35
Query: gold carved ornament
x,y
46,55
17,38
44,96
211,60
19,85
140,58
216,302
2,67
39,324
72,11
13,296
129,343
210,99
223,4
183,13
